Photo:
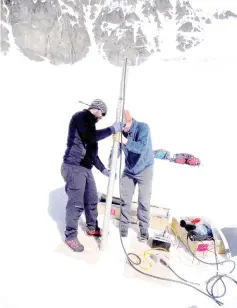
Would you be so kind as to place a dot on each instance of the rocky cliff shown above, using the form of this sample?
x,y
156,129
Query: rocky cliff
x,y
63,31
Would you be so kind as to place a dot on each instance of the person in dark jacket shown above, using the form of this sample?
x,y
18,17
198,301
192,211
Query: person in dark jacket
x,y
80,156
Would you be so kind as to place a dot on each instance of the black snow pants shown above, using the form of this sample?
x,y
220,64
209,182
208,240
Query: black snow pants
x,y
82,195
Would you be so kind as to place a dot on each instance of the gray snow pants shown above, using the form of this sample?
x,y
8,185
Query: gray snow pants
x,y
144,181
82,195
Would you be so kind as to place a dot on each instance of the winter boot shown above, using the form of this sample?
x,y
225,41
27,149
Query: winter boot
x,y
75,245
144,235
97,232
123,231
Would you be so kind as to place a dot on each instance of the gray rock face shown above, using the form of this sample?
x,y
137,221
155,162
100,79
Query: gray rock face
x,y
50,30
58,30
5,46
119,35
151,12
208,21
4,12
225,15
190,26
164,7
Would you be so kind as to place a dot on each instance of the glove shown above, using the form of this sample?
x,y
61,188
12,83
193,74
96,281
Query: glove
x,y
117,127
106,172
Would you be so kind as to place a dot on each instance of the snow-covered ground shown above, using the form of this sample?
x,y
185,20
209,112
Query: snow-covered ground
x,y
190,107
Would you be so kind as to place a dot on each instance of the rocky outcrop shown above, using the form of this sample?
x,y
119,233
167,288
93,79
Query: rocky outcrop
x,y
225,15
164,7
119,35
62,31
53,29
190,26
5,45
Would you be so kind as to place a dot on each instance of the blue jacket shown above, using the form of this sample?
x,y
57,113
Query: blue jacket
x,y
82,141
138,151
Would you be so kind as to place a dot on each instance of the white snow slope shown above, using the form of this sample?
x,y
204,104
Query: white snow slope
x,y
190,107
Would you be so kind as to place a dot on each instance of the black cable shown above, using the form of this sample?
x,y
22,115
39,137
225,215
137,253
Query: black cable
x,y
210,284
130,261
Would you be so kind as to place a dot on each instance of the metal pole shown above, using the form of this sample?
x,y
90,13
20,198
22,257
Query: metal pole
x,y
115,149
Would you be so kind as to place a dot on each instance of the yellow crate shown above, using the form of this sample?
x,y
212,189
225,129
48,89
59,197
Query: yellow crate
x,y
157,221
195,246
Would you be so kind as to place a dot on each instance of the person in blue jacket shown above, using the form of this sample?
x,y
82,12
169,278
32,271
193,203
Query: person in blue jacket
x,y
139,161
80,156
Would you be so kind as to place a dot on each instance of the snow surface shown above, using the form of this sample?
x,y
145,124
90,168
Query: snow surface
x,y
190,107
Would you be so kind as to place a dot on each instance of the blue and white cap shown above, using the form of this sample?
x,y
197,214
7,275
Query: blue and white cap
x,y
99,104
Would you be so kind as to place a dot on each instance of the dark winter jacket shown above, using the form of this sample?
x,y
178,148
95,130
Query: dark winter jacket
x,y
138,151
82,146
